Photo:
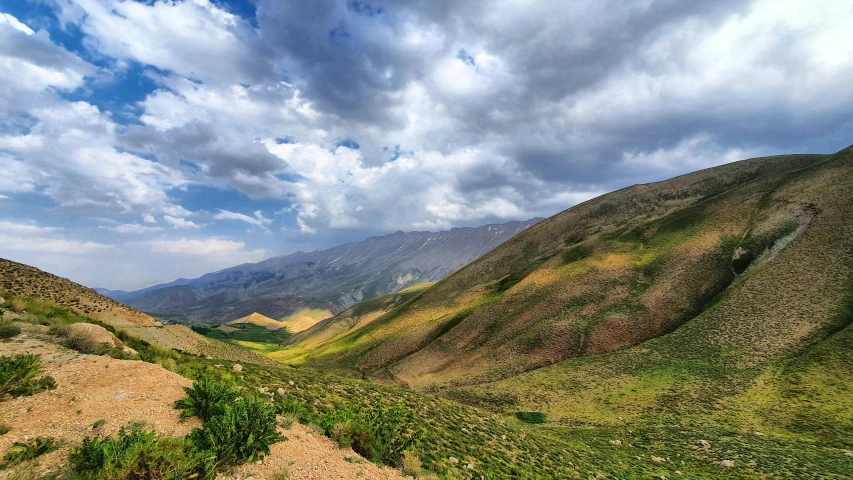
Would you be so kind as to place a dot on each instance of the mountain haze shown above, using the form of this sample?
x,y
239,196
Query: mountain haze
x,y
332,279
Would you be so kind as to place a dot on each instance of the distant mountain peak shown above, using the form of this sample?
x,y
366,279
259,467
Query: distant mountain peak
x,y
331,279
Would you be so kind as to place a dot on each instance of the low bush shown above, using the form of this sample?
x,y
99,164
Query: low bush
x,y
243,432
139,454
207,398
19,376
376,431
531,417
8,329
22,452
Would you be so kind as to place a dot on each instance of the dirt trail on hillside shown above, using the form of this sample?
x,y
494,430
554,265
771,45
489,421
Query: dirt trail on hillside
x,y
93,388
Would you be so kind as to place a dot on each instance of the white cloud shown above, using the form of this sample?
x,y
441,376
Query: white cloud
x,y
180,222
33,238
214,247
148,218
131,228
258,220
15,23
180,36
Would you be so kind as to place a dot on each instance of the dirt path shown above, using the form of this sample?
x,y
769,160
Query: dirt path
x,y
92,388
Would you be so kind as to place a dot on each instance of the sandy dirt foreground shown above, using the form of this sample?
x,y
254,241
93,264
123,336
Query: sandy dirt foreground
x,y
119,392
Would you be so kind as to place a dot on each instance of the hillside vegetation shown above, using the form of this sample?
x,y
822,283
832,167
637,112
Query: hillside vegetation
x,y
746,263
425,435
19,279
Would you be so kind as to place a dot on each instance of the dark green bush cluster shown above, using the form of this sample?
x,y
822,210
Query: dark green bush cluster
x,y
138,453
236,430
8,329
21,452
19,376
378,432
531,417
243,432
207,398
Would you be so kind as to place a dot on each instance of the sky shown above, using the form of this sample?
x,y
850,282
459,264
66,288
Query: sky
x,y
145,141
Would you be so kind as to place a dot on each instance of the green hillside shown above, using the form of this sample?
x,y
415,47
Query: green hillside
x,y
735,255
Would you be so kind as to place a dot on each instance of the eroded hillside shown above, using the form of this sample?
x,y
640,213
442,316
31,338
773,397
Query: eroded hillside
x,y
763,245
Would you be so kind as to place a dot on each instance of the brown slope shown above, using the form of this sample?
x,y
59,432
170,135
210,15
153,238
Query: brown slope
x,y
26,281
601,276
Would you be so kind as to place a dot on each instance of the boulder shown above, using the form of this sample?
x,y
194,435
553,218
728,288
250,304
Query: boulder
x,y
658,459
616,443
237,367
280,392
2,301
93,336
728,463
453,460
129,351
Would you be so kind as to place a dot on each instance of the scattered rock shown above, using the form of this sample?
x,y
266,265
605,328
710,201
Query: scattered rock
x,y
727,463
616,443
280,392
599,475
291,383
658,459
209,357
704,444
237,367
129,351
453,460
93,336
849,453
2,301
469,467
760,434
219,366
679,472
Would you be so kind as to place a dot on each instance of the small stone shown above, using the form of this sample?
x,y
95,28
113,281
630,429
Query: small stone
x,y
290,382
727,463
704,444
280,392
469,467
679,472
453,460
237,367
209,357
658,459
616,443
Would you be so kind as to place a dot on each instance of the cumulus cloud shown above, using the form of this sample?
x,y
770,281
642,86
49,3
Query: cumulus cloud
x,y
368,117
180,222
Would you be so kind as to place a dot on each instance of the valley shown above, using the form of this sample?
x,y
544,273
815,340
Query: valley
x,y
698,327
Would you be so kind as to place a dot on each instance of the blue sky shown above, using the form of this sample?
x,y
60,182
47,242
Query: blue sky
x,y
145,141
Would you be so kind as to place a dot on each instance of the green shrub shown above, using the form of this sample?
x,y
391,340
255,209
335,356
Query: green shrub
x,y
295,409
21,452
207,398
243,432
8,329
18,376
531,417
139,454
374,430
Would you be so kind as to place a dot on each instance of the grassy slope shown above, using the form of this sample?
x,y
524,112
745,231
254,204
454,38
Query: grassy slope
x,y
353,319
502,447
603,276
772,353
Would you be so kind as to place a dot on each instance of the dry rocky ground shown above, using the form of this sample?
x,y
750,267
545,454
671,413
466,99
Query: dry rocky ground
x,y
119,392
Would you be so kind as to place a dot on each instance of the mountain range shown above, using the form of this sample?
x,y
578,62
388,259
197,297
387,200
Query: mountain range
x,y
331,280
